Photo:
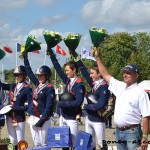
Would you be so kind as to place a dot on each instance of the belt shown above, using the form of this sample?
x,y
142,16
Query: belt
x,y
127,127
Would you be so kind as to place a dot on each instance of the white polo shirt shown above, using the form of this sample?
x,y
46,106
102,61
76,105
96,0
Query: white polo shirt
x,y
132,103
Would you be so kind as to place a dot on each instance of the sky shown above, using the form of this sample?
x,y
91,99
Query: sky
x,y
20,18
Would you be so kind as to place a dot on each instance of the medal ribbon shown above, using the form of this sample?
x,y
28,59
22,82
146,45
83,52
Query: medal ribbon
x,y
35,97
71,85
99,84
16,91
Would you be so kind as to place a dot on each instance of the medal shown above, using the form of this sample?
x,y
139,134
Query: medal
x,y
36,97
14,123
14,98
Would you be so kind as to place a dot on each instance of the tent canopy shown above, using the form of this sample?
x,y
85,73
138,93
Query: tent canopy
x,y
145,85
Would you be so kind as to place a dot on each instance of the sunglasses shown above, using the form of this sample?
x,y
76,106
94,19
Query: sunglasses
x,y
17,75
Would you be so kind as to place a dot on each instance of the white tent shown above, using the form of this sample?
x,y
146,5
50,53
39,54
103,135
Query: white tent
x,y
145,85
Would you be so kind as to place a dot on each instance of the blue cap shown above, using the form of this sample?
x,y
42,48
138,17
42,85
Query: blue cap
x,y
131,68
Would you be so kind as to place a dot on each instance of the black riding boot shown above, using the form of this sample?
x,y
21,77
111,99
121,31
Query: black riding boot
x,y
105,147
16,147
67,148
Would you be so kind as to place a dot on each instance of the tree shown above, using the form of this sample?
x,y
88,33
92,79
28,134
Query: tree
x,y
9,76
122,49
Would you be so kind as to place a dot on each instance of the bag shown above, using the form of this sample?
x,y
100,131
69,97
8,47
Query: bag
x,y
83,141
59,137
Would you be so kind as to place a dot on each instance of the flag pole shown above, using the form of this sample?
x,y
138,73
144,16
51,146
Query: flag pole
x,y
3,67
81,53
30,59
16,54
2,70
45,58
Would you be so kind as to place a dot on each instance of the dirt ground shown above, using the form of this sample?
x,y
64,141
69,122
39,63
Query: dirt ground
x,y
4,133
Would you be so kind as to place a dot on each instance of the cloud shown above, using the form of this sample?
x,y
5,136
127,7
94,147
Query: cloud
x,y
37,32
6,33
124,13
13,4
45,2
51,20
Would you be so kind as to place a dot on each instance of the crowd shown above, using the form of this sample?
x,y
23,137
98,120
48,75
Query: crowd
x,y
131,103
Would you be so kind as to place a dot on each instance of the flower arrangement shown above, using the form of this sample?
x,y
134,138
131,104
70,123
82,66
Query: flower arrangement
x,y
2,54
52,39
72,41
98,35
30,46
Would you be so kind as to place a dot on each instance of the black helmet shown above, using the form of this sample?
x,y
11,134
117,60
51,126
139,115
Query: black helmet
x,y
67,97
44,70
92,98
20,70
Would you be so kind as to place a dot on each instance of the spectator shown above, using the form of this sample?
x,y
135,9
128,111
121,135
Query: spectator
x,y
132,103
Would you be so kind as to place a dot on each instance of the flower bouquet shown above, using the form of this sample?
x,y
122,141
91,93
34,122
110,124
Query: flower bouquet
x,y
30,46
98,36
2,54
72,41
52,39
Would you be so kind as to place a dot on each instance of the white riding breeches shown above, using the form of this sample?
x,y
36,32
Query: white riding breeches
x,y
39,134
16,133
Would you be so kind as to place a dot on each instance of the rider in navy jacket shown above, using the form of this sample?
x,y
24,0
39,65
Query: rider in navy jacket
x,y
102,91
94,121
75,86
43,102
45,97
77,90
19,93
25,95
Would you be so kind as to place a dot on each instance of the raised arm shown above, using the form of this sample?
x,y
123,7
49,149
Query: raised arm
x,y
29,71
58,68
102,69
82,68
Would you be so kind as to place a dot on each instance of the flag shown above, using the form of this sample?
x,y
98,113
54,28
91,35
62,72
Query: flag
x,y
7,48
20,48
86,54
59,50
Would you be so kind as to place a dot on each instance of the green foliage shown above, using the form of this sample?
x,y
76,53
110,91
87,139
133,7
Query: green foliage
x,y
5,141
55,79
122,49
88,63
9,77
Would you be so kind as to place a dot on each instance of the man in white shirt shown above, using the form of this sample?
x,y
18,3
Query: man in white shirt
x,y
132,103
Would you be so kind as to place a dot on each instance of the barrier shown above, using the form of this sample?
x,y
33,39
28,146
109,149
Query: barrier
x,y
83,141
59,137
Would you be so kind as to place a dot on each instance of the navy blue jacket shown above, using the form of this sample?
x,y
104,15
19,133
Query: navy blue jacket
x,y
46,97
68,108
103,93
24,95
